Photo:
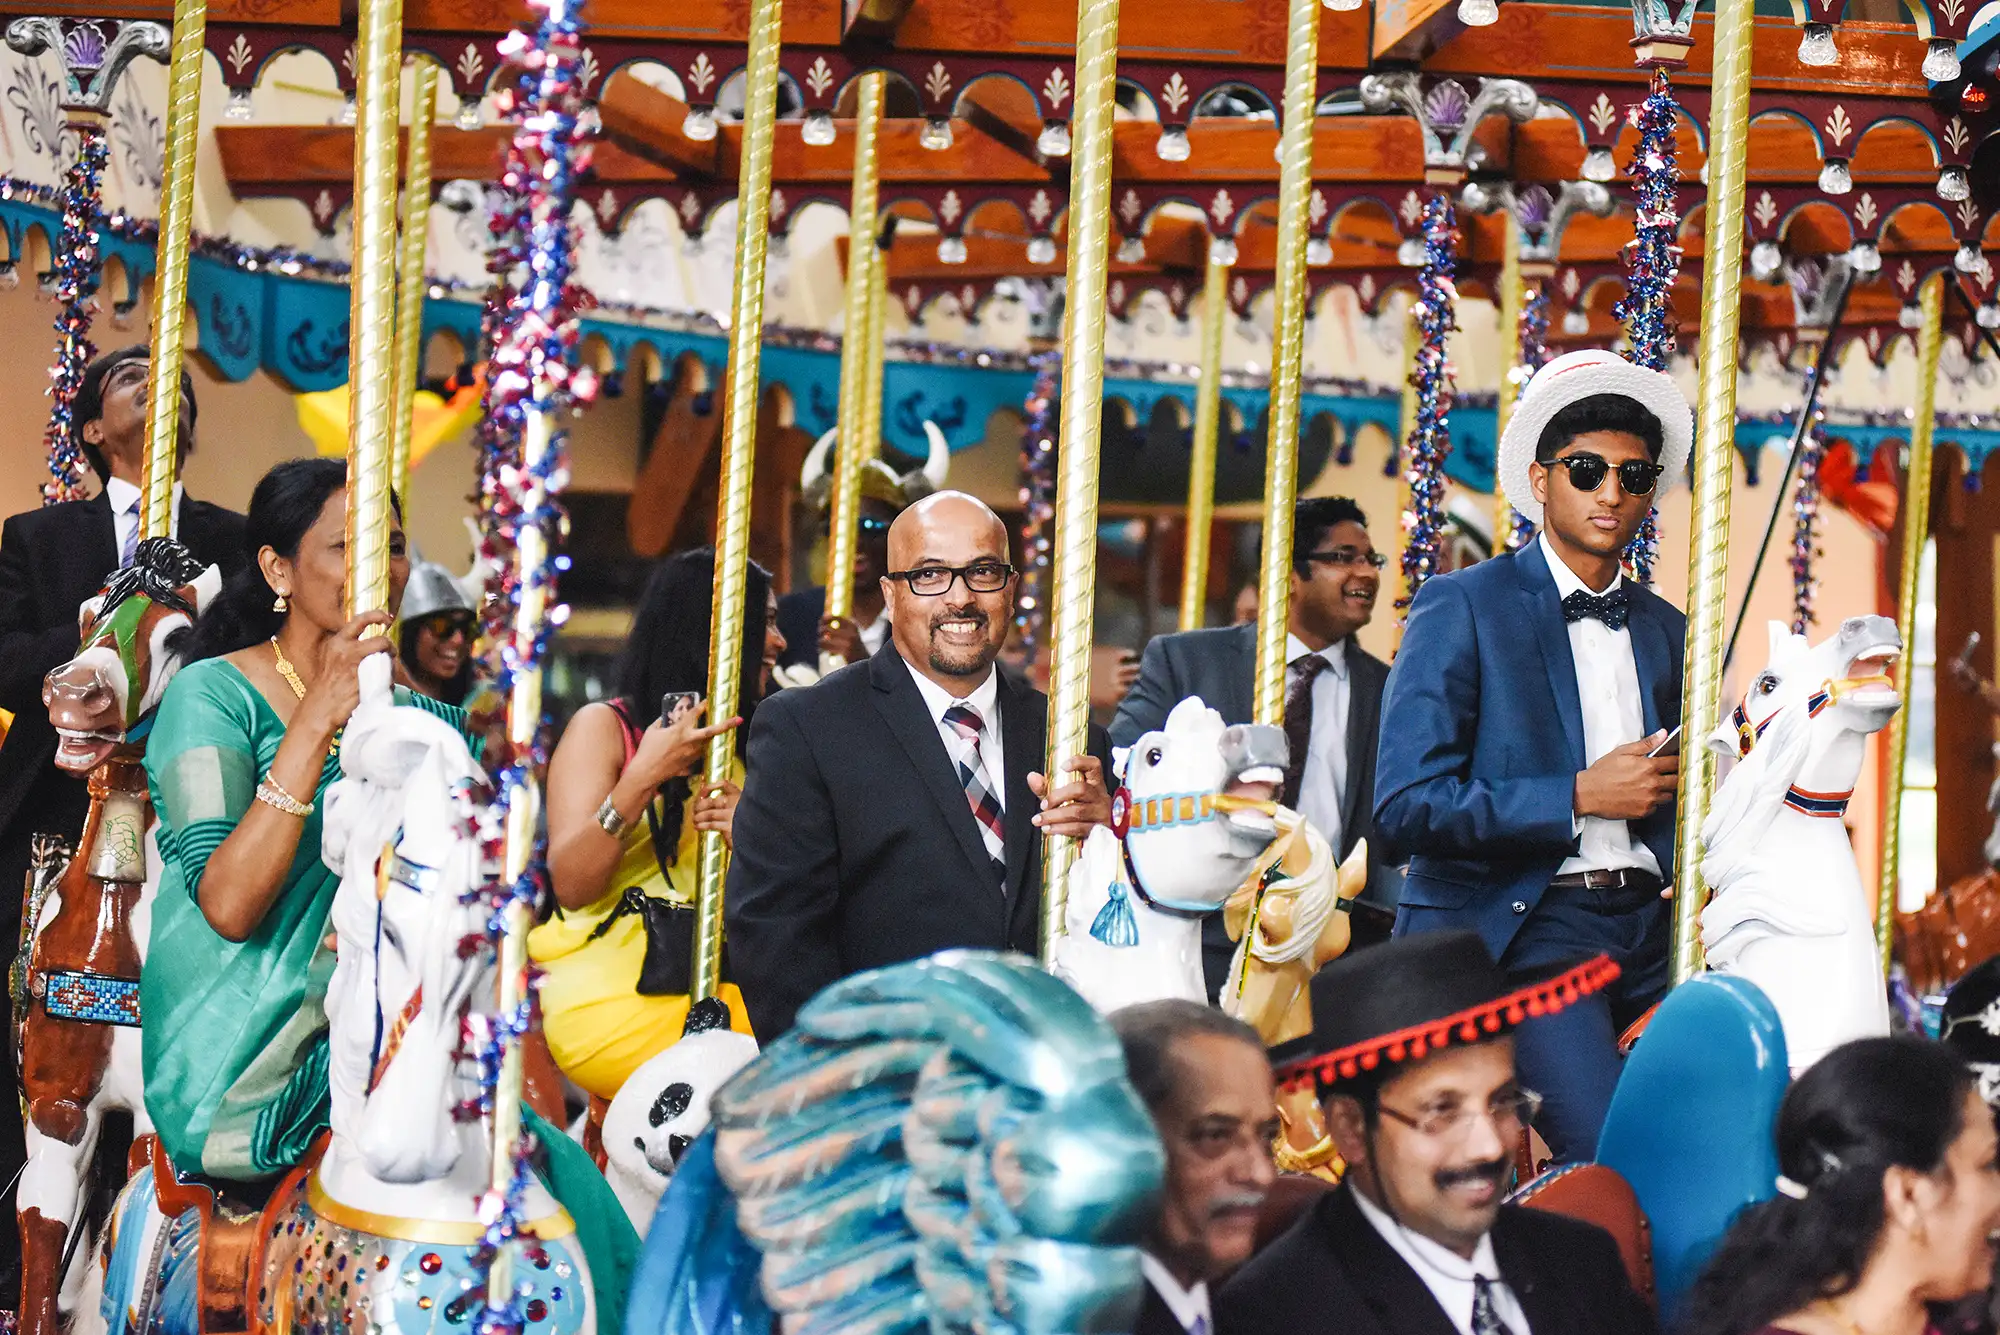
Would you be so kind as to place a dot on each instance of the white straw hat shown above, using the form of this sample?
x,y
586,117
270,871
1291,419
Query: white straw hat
x,y
1581,375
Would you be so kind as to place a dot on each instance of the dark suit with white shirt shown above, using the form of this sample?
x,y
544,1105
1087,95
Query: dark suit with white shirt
x,y
1476,779
1219,665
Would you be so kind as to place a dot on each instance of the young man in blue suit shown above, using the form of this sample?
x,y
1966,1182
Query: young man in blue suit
x,y
1517,766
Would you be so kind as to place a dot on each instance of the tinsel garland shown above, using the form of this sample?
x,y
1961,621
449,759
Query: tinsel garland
x,y
1534,341
79,270
1654,261
1805,538
532,327
1038,498
1435,312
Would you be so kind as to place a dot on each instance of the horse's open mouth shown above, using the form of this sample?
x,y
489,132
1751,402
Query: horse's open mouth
x,y
79,751
1865,688
1246,801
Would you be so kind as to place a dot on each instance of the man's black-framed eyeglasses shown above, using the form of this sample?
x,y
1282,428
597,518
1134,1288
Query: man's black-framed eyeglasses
x,y
1636,477
980,577
1349,556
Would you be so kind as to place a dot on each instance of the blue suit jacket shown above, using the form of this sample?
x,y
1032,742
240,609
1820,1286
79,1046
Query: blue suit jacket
x,y
1482,741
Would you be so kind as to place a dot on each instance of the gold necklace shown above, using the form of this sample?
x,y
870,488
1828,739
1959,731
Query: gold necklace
x,y
287,671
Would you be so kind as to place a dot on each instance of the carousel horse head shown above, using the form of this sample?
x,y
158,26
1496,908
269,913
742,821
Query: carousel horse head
x,y
399,834
1195,805
1837,689
663,1107
97,700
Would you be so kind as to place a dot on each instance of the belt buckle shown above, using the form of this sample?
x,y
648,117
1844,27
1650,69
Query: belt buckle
x,y
1603,878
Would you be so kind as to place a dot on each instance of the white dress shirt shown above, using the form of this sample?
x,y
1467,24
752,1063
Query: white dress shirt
x,y
1447,1274
124,498
1607,688
986,699
1187,1305
1324,779
875,632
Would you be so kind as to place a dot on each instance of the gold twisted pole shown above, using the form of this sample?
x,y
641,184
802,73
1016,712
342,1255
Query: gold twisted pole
x,y
1916,530
170,277
878,301
1201,462
410,274
371,361
1073,589
857,355
1714,454
739,440
1512,294
1288,345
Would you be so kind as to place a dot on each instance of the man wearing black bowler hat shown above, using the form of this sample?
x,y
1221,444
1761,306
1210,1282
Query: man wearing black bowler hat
x,y
1412,1052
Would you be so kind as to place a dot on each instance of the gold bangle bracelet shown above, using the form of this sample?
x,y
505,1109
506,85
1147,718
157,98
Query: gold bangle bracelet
x,y
272,794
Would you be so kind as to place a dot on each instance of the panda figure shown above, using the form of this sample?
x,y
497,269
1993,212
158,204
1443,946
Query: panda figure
x,y
663,1107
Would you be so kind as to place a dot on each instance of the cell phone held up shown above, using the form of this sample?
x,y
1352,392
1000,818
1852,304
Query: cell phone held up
x,y
675,705
1670,745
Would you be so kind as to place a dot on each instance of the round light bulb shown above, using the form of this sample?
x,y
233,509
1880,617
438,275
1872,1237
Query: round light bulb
x,y
1054,139
1816,45
1222,250
239,105
1766,259
936,134
1341,6
699,125
1599,165
1865,256
951,250
1478,13
1953,184
1988,316
1172,145
469,117
1410,254
1941,61
818,131
1319,251
1576,322
1967,259
1910,317
1041,250
348,111
1132,250
1834,178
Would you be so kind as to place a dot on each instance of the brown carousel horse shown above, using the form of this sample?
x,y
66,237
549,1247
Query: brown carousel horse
x,y
78,1036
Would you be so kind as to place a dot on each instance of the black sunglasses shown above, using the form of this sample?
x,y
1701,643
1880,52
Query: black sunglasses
x,y
1636,477
442,625
980,577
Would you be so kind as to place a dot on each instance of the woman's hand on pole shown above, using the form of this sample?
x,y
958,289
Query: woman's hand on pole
x,y
715,809
334,693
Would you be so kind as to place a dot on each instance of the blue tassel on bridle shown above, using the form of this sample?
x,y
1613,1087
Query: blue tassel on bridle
x,y
1116,925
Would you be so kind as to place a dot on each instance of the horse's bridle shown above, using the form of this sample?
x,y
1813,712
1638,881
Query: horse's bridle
x,y
1825,806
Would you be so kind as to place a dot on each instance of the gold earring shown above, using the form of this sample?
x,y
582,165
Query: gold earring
x,y
279,604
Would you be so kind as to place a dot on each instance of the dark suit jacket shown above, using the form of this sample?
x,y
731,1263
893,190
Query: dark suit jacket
x,y
1476,780
1155,1317
51,561
854,845
1331,1273
798,620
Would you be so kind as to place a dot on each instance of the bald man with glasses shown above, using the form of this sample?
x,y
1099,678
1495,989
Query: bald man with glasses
x,y
896,808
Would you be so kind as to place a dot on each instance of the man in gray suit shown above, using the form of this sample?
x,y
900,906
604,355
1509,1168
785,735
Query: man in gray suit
x,y
1333,700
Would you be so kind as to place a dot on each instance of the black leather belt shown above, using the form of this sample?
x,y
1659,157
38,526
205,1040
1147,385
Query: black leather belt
x,y
1621,878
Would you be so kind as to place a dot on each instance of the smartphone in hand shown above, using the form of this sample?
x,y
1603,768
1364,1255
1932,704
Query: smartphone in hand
x,y
1670,745
675,704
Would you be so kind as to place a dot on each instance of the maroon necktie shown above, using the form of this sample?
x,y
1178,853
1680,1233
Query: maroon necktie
x,y
1299,724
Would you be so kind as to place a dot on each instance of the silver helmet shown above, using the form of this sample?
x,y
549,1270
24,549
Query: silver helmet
x,y
431,589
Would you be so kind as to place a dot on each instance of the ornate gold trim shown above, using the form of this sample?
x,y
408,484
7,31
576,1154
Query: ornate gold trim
x,y
444,1232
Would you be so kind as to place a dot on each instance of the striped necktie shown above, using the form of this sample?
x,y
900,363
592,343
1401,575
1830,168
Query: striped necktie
x,y
968,725
1485,1317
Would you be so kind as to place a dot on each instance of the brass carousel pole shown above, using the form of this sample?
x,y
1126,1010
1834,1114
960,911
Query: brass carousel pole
x,y
878,301
739,440
1512,295
1072,593
1288,343
371,376
410,276
1207,427
856,356
1916,530
170,278
1714,454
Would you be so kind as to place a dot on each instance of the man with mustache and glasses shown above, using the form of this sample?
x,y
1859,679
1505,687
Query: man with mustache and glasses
x,y
1412,1054
1333,699
1206,1081
1529,755
895,808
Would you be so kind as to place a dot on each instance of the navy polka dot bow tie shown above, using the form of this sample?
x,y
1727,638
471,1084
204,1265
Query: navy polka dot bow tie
x,y
1614,609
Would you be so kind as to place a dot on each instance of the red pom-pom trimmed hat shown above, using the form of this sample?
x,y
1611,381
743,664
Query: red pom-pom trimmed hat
x,y
1419,995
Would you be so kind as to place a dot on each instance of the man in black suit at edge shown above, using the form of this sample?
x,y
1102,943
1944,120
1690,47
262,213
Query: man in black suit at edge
x,y
51,561
1333,701
890,811
1412,1049
1206,1081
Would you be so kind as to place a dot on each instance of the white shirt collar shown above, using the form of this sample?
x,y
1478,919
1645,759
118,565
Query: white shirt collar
x,y
937,699
1335,654
1187,1305
124,497
1430,1260
1567,580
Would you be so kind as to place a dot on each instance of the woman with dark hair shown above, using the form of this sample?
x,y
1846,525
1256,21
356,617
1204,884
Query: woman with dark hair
x,y
435,642
624,823
1887,1202
243,747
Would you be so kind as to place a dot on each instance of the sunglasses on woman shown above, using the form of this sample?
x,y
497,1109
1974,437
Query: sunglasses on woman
x,y
443,625
1636,477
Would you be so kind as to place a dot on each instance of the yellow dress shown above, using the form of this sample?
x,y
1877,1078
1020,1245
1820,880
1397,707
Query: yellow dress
x,y
599,1028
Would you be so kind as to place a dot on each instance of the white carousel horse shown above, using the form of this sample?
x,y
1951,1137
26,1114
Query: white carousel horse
x,y
1190,821
663,1107
1789,912
78,1014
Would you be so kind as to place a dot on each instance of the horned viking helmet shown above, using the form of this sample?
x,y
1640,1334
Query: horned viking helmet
x,y
878,480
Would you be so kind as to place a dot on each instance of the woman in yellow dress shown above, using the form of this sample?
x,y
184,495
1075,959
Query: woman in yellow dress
x,y
624,827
